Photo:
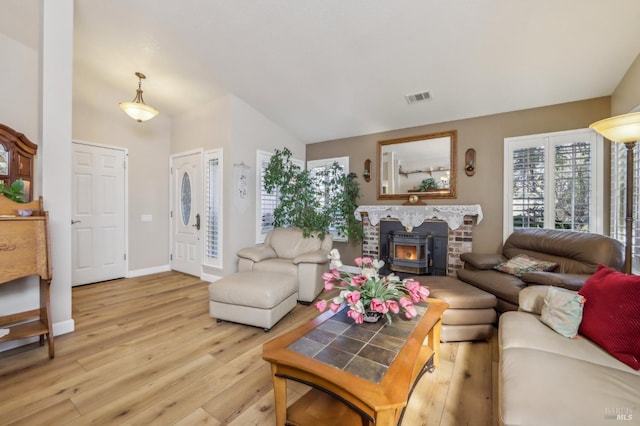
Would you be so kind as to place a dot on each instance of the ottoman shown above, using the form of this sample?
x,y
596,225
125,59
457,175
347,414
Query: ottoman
x,y
259,299
471,314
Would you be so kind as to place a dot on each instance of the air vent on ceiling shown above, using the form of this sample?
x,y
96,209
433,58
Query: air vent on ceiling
x,y
417,97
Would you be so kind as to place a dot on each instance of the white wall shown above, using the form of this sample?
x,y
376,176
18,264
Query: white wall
x,y
250,130
148,145
239,129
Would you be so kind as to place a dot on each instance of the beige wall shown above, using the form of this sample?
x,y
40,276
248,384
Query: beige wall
x,y
97,119
627,95
484,134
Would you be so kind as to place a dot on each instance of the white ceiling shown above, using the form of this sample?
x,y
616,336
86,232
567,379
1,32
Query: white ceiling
x,y
327,69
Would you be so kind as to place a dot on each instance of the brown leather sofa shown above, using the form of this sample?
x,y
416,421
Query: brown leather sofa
x,y
577,254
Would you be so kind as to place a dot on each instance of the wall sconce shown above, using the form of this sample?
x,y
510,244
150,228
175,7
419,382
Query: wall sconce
x,y
137,109
367,170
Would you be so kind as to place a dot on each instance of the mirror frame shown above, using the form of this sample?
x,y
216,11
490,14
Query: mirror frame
x,y
434,194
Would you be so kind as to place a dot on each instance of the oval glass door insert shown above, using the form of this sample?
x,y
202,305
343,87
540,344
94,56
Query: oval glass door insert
x,y
185,198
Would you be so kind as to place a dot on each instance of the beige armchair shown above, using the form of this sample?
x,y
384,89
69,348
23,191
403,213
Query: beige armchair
x,y
287,251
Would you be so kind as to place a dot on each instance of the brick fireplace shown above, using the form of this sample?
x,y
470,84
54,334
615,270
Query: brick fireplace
x,y
460,221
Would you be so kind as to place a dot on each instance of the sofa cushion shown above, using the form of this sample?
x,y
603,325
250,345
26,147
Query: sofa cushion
x,y
503,286
279,265
575,252
562,311
612,313
545,388
524,330
290,242
522,263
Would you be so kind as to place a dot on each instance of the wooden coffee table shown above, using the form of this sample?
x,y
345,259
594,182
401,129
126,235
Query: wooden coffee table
x,y
361,373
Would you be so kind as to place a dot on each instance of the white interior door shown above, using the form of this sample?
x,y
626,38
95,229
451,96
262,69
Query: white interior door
x,y
186,190
98,213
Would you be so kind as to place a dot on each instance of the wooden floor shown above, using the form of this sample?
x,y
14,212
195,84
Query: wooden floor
x,y
146,352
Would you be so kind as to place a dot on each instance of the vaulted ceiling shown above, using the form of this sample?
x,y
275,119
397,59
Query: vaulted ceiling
x,y
327,69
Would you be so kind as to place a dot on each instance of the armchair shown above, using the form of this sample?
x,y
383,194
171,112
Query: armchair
x,y
287,251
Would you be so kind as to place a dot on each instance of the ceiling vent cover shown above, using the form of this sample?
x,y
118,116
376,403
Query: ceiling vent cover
x,y
417,97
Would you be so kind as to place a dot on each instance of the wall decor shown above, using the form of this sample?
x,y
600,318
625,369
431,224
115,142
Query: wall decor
x,y
470,162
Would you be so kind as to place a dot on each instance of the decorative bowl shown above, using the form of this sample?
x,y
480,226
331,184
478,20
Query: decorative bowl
x,y
25,212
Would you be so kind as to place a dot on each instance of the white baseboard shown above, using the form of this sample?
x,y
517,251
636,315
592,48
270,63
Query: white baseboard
x,y
148,271
209,277
62,327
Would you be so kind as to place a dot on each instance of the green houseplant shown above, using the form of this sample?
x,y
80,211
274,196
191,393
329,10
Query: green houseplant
x,y
309,206
14,192
428,183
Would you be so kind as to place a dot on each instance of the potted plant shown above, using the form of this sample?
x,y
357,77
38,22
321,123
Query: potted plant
x,y
427,184
14,192
312,207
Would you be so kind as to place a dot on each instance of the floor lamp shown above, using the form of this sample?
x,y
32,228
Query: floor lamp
x,y
624,129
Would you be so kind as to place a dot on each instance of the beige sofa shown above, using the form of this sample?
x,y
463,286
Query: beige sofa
x,y
547,379
288,251
577,254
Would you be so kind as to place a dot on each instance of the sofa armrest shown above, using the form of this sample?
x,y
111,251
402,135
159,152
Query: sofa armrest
x,y
257,254
318,256
482,260
568,281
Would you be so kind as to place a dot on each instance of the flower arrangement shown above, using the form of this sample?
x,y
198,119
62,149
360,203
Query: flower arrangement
x,y
369,292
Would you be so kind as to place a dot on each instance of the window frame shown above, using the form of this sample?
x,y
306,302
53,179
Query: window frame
x,y
214,262
549,141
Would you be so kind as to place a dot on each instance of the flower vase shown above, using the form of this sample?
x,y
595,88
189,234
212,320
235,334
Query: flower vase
x,y
371,316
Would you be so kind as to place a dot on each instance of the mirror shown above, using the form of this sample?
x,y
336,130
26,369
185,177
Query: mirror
x,y
418,167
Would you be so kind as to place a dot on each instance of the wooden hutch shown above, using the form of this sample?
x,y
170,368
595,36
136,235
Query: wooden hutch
x,y
17,159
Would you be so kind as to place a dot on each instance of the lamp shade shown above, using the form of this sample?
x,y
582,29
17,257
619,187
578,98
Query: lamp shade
x,y
621,128
139,111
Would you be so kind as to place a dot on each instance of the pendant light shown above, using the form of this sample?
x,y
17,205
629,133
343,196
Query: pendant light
x,y
137,109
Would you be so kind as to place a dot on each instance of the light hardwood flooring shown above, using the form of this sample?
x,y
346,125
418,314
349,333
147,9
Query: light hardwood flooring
x,y
146,352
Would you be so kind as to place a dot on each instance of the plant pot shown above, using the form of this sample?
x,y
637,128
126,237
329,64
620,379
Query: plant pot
x,y
371,316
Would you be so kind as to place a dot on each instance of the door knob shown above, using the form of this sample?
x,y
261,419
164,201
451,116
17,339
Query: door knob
x,y
197,225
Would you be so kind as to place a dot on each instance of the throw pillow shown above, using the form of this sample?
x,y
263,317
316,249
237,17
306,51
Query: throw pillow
x,y
562,311
611,315
522,263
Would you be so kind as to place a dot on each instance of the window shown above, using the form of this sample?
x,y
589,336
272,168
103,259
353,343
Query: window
x,y
213,208
554,180
618,199
266,203
320,171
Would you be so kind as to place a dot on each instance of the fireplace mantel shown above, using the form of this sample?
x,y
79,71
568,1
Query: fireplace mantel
x,y
416,215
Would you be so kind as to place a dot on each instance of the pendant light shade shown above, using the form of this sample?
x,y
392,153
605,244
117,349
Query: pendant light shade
x,y
137,109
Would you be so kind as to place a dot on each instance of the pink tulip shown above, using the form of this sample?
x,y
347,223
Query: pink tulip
x,y
321,305
358,280
424,292
358,261
334,307
410,310
328,286
378,305
393,306
356,316
353,297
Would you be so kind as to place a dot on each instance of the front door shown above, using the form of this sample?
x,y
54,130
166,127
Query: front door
x,y
98,213
186,190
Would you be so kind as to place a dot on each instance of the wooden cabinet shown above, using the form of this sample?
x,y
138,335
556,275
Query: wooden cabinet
x,y
17,155
24,251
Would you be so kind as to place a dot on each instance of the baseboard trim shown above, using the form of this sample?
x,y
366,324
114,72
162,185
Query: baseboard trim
x,y
209,277
147,271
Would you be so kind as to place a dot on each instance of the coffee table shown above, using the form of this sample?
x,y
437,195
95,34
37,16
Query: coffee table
x,y
360,373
